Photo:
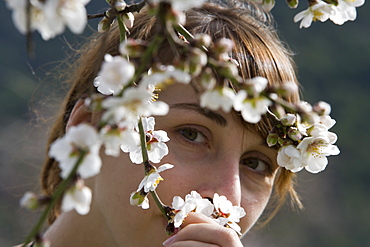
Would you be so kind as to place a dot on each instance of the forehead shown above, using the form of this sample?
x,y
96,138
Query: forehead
x,y
183,98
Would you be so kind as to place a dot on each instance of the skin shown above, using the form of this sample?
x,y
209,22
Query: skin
x,y
212,152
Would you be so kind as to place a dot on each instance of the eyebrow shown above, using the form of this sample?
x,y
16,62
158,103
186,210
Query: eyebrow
x,y
215,117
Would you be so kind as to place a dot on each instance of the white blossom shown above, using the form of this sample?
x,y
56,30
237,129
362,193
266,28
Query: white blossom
x,y
120,5
151,180
289,157
320,11
251,108
227,213
168,75
128,19
67,149
155,141
345,11
70,13
114,137
116,72
218,98
257,84
193,203
77,197
135,102
222,210
314,151
49,18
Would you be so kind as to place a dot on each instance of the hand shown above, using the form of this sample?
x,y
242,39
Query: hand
x,y
201,231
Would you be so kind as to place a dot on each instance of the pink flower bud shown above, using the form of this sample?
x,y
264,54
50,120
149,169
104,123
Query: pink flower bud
x,y
288,120
294,134
322,108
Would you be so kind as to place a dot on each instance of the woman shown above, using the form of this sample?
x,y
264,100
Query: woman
x,y
212,151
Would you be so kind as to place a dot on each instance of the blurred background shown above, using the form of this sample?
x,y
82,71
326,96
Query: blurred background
x,y
334,65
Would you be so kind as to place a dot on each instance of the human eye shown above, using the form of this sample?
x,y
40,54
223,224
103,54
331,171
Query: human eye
x,y
258,163
193,136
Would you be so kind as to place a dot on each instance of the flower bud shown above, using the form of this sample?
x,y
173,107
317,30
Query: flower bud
x,y
294,134
310,118
207,79
203,40
287,89
223,45
120,5
272,139
322,108
128,19
228,70
197,59
288,120
104,25
139,198
292,3
30,201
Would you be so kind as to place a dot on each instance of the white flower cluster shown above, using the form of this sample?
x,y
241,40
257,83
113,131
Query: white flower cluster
x,y
322,11
309,144
49,18
251,106
221,210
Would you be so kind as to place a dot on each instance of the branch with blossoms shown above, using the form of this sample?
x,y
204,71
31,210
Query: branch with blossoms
x,y
128,101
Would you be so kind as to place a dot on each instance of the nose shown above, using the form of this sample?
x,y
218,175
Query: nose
x,y
221,176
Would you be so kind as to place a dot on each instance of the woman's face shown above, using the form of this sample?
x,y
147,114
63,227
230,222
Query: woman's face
x,y
211,152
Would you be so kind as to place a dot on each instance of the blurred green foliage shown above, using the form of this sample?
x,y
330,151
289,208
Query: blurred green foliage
x,y
333,64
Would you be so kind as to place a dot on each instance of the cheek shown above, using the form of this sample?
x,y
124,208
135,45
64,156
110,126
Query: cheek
x,y
255,196
178,181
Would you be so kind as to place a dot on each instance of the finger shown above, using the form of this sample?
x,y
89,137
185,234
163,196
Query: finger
x,y
207,233
196,218
191,244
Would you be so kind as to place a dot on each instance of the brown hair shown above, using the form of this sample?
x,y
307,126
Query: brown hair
x,y
257,48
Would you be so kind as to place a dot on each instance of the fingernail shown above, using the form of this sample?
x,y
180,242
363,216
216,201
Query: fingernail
x,y
169,241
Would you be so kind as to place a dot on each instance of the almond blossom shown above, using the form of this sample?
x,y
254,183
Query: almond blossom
x,y
136,101
152,179
251,108
320,11
220,97
67,150
289,158
70,13
167,75
222,210
49,18
314,151
147,184
116,72
345,11
226,214
155,144
113,137
193,203
77,197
